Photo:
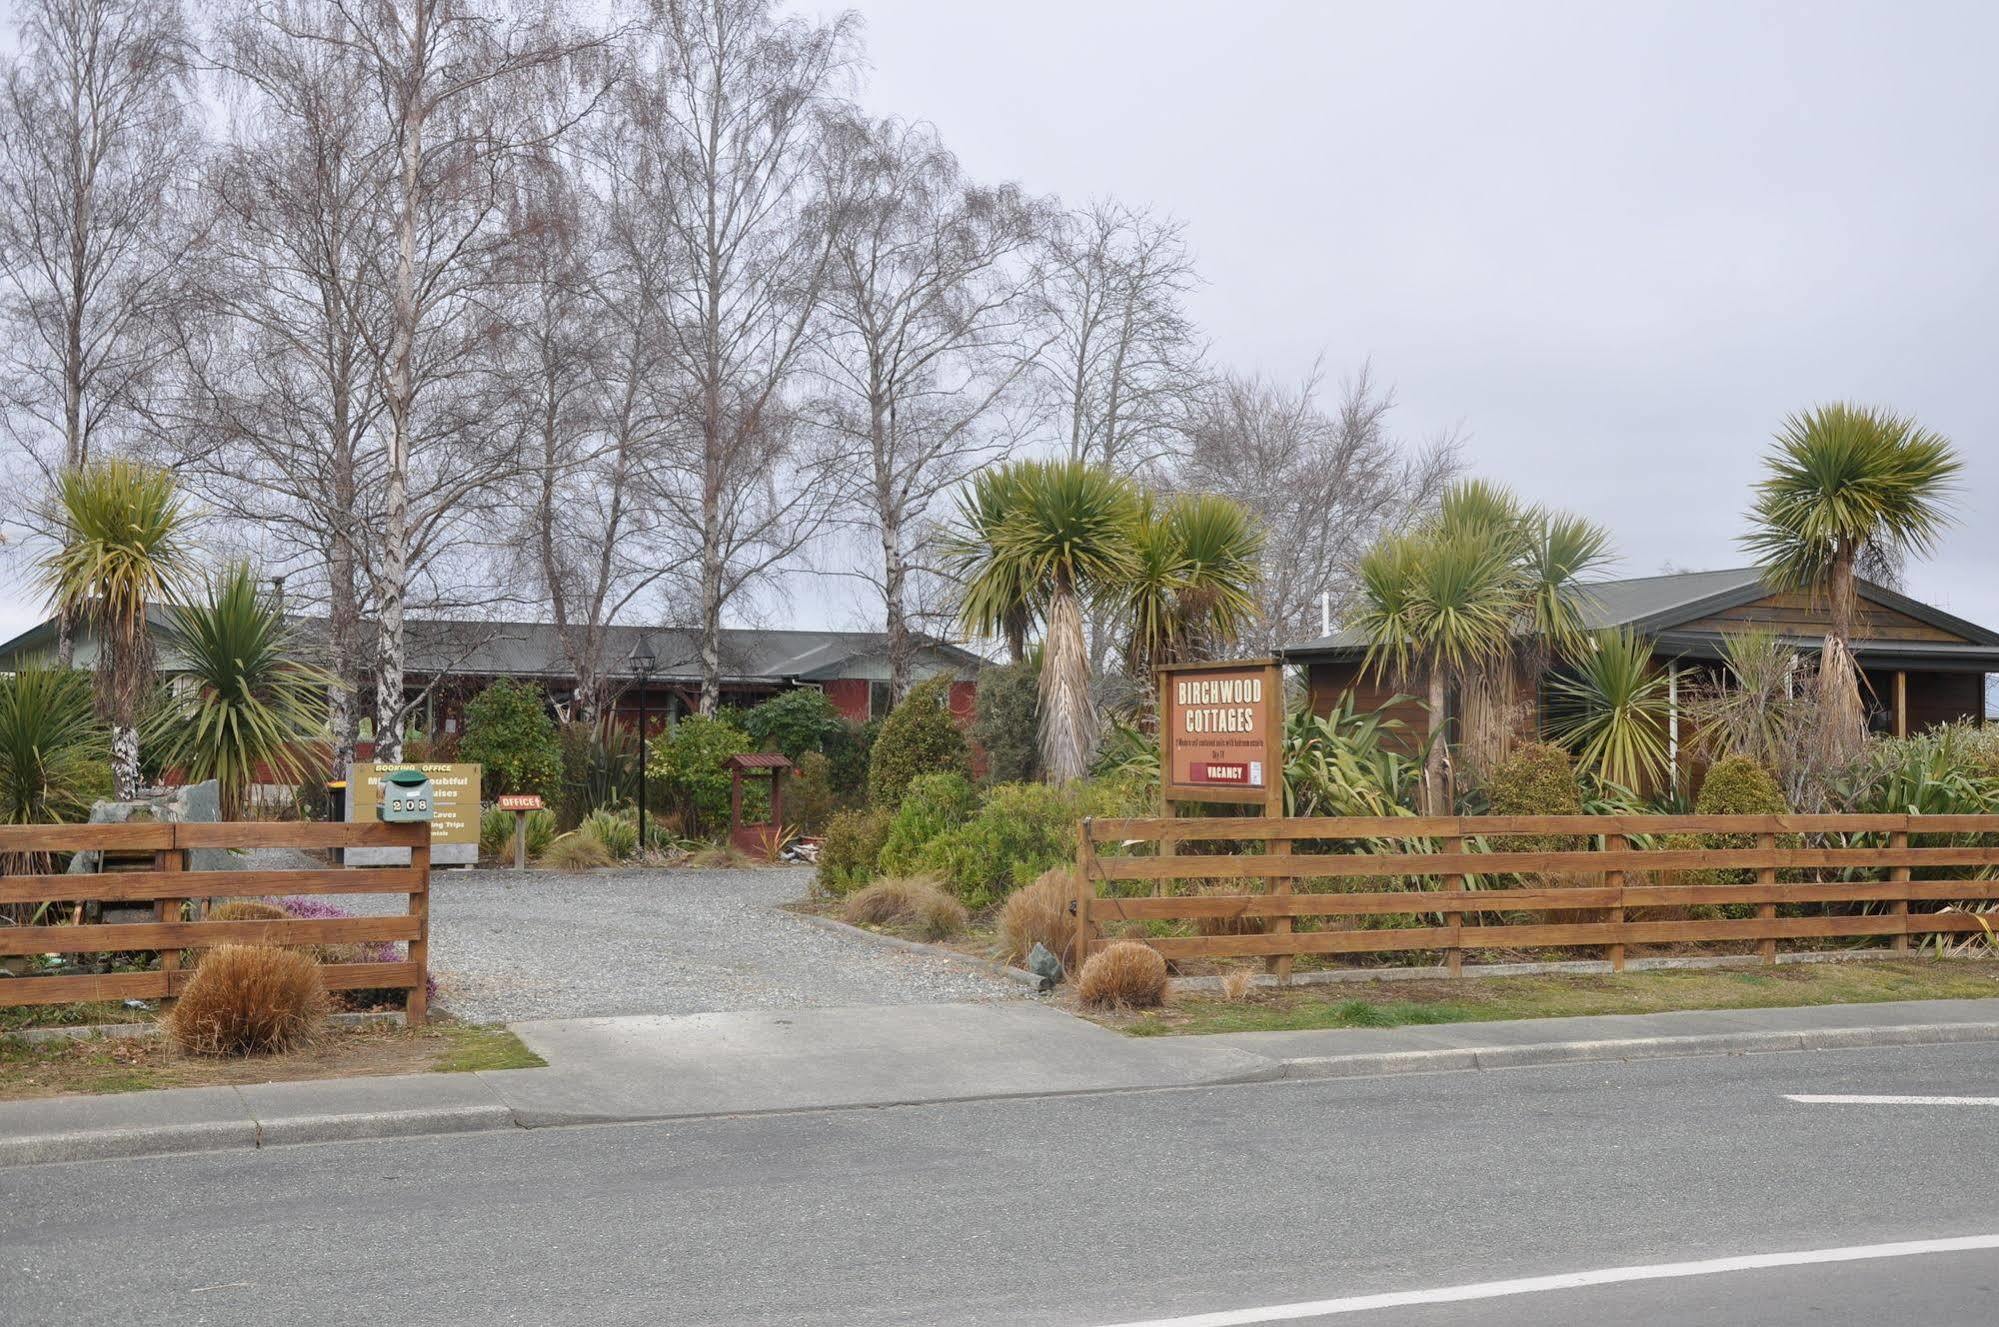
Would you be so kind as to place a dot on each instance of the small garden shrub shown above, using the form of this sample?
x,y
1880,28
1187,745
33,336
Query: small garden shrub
x,y
1536,780
576,851
1020,831
932,804
496,833
1125,975
793,722
508,730
249,1000
847,755
688,768
1006,722
1039,914
907,903
919,737
617,831
1735,786
852,846
600,767
809,798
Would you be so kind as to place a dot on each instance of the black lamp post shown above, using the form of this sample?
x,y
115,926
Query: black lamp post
x,y
644,661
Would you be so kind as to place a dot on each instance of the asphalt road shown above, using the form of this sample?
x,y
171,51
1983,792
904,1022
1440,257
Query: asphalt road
x,y
1076,1211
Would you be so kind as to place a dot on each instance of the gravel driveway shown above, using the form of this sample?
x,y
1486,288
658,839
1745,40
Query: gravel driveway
x,y
548,945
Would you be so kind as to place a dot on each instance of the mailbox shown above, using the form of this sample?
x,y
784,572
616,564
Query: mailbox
x,y
406,796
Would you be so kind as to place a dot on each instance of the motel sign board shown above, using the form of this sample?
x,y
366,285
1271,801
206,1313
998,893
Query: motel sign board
x,y
1220,731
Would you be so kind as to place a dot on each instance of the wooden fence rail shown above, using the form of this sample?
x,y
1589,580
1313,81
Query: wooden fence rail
x,y
169,886
1451,883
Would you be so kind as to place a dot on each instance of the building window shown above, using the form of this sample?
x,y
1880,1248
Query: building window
x,y
877,699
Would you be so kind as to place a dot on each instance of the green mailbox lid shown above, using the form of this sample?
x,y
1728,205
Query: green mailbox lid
x,y
407,778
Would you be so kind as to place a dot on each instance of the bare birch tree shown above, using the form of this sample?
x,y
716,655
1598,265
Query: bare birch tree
x,y
935,312
1124,369
717,121
457,83
96,139
1326,484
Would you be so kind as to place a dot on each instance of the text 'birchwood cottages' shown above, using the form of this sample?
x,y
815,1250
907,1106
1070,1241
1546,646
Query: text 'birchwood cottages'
x,y
1921,665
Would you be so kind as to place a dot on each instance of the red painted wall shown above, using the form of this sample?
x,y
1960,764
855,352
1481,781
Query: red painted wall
x,y
849,696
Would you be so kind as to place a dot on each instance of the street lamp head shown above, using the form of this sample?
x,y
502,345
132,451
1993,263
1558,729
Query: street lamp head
x,y
644,661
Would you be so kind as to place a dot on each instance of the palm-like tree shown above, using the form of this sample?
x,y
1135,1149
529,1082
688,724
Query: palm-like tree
x,y
1440,607
124,546
1486,587
1192,587
52,747
997,602
1847,483
245,704
1612,709
1064,533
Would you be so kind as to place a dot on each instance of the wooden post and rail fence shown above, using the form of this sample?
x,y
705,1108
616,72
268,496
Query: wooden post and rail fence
x,y
169,886
1445,885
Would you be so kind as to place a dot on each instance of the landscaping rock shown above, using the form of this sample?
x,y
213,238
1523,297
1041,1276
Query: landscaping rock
x,y
195,804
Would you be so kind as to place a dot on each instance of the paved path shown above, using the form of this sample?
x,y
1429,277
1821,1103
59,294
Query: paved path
x,y
1075,1211
549,945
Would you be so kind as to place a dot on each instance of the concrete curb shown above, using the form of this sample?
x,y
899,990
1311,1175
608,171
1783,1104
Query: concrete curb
x,y
108,1144
1369,1065
992,965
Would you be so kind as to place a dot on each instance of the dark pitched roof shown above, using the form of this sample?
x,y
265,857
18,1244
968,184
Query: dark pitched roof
x,y
1654,605
532,649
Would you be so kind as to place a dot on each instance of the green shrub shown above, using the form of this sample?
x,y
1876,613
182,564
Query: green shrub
x,y
1735,786
1021,830
1006,722
793,722
934,803
809,799
688,768
618,831
508,731
852,846
919,737
848,752
540,832
1536,780
600,767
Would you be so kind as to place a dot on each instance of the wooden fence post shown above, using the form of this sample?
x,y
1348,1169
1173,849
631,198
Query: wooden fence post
x,y
1086,891
416,1006
1900,875
172,860
1454,957
1615,915
1767,875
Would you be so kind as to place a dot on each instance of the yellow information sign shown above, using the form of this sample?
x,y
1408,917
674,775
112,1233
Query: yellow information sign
x,y
454,798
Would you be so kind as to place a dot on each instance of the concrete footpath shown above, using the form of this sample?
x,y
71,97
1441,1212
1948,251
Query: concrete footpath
x,y
611,1070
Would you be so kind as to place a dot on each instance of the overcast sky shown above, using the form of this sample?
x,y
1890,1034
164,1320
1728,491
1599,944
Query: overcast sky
x,y
1616,243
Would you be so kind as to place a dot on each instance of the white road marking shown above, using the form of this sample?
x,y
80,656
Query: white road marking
x,y
1893,1101
1533,1285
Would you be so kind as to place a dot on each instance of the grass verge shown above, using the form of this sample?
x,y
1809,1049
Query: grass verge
x,y
135,1064
1386,1004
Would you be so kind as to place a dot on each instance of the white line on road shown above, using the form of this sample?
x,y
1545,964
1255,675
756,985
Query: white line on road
x,y
1532,1285
1893,1101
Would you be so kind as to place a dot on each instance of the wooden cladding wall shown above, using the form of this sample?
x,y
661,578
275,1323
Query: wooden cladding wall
x,y
176,892
1800,615
1448,884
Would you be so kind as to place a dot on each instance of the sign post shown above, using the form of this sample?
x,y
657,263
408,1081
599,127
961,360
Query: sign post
x,y
1221,739
522,805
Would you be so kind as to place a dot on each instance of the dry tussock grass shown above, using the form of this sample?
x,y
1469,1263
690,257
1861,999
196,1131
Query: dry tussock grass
x,y
1039,914
1126,975
917,903
249,1000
